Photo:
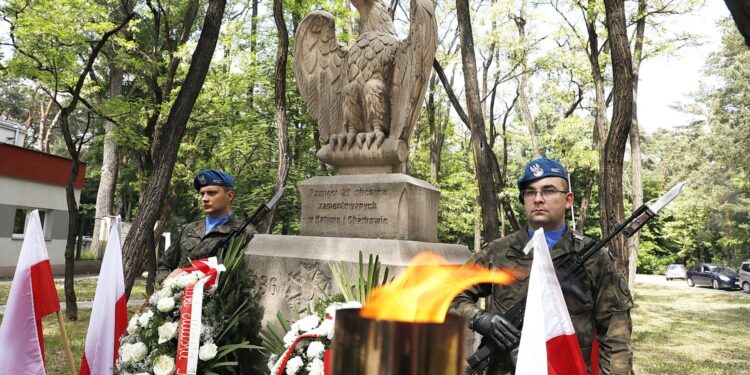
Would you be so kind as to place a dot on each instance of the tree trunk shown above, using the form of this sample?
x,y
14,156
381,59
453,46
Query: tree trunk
x,y
48,132
165,153
633,242
600,121
71,307
523,100
585,199
437,131
43,116
482,151
285,160
253,52
106,193
622,117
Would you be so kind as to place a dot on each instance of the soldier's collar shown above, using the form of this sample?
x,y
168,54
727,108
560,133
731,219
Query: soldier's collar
x,y
521,238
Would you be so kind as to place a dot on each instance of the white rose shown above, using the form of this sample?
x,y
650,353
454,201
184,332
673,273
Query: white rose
x,y
133,324
316,367
166,291
145,318
166,304
163,365
186,279
293,366
315,349
290,337
170,282
133,352
327,328
324,329
307,323
167,331
207,351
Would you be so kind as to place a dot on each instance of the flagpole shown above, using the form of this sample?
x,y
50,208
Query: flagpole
x,y
66,343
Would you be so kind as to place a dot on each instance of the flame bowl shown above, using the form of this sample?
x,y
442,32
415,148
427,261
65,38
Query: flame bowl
x,y
365,346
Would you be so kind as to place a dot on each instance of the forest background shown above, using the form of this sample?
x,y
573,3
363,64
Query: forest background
x,y
126,87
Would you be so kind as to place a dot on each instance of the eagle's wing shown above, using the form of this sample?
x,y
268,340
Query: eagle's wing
x,y
412,67
318,67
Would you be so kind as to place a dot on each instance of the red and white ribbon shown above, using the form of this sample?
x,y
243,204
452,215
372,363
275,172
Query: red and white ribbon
x,y
188,341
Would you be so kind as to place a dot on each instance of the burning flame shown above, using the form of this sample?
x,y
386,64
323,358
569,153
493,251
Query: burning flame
x,y
423,293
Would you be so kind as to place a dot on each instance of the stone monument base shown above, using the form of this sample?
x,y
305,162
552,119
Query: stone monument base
x,y
292,270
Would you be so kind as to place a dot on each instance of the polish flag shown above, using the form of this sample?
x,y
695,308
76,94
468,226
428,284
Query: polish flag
x,y
547,329
109,315
32,297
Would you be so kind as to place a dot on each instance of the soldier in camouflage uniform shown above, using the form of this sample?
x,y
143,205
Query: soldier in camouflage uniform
x,y
600,311
199,238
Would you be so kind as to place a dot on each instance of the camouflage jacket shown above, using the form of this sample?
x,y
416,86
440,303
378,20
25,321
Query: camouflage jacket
x,y
193,244
606,314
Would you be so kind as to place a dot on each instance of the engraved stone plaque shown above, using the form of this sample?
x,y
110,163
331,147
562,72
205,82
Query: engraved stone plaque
x,y
387,206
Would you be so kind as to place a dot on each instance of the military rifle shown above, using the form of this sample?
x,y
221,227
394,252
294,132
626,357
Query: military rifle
x,y
258,215
567,269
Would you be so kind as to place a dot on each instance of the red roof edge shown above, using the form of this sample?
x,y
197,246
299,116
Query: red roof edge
x,y
27,164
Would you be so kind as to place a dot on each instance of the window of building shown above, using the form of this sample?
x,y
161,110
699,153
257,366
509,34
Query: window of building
x,y
19,222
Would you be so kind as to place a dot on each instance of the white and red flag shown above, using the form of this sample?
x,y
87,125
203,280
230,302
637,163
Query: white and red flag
x,y
547,329
109,314
32,297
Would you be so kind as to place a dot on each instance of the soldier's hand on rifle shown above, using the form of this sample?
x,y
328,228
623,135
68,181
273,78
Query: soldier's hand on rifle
x,y
496,328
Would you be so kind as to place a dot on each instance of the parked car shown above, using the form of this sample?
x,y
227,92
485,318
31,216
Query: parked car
x,y
745,276
716,276
675,271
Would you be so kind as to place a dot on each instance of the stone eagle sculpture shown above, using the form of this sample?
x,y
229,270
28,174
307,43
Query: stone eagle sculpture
x,y
366,98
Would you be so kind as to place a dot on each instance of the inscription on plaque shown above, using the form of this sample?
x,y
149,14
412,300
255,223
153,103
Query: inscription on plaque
x,y
390,206
355,206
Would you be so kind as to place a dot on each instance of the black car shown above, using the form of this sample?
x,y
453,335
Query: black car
x,y
716,276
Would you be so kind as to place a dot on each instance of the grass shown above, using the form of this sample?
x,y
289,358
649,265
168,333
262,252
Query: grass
x,y
87,254
53,347
85,287
690,331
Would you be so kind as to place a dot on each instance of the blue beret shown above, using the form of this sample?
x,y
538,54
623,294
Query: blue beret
x,y
538,169
208,177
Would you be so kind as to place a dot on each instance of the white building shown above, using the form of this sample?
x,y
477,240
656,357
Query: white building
x,y
31,180
11,132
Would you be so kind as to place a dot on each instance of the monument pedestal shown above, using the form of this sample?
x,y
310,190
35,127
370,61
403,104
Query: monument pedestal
x,y
291,270
393,216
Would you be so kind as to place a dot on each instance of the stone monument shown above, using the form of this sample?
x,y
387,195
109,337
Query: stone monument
x,y
366,100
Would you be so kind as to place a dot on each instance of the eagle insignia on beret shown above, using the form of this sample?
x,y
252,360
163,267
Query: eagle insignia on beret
x,y
536,170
